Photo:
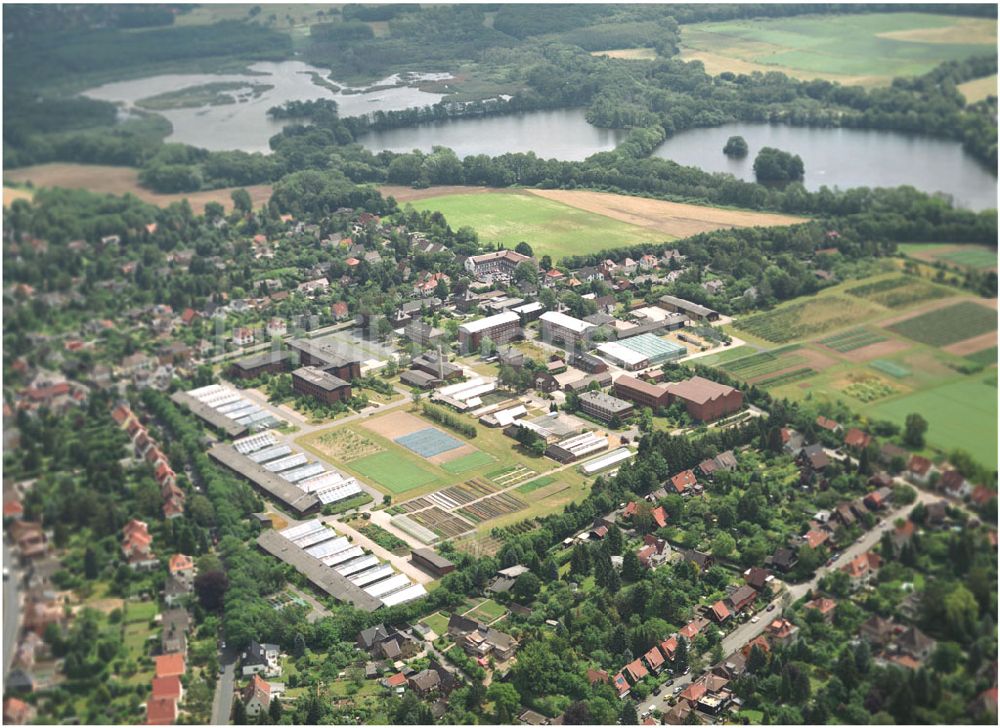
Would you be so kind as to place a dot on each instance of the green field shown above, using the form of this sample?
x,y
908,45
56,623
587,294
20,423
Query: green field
x,y
468,462
948,325
977,257
974,258
551,228
986,357
764,362
390,471
961,414
869,48
804,318
852,339
899,292
536,484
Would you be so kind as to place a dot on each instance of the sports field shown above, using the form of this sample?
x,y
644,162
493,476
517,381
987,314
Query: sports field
x,y
575,222
867,49
388,470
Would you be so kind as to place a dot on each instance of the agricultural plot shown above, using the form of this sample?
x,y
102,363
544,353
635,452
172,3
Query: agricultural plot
x,y
536,484
868,49
511,476
977,257
852,339
869,389
795,375
460,495
479,545
492,507
764,362
444,524
948,325
343,444
986,357
899,292
891,368
805,318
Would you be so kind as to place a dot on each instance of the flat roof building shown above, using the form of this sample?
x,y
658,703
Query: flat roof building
x,y
328,356
578,446
604,406
654,348
622,356
271,362
560,329
500,329
693,310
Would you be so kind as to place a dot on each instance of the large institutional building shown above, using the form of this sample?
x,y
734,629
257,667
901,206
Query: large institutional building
x,y
500,329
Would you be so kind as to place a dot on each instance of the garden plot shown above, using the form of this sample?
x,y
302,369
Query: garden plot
x,y
479,545
852,339
442,523
511,476
492,507
343,444
891,368
976,344
866,388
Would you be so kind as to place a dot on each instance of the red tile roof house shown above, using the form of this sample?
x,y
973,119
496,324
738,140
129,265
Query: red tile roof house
x,y
782,632
861,569
168,687
669,648
17,712
597,676
395,681
181,564
660,516
824,605
161,711
878,499
171,665
902,535
857,439
654,660
827,424
815,538
919,470
694,692
684,481
630,510
742,598
136,545
720,612
981,495
954,484
758,641
692,628
635,671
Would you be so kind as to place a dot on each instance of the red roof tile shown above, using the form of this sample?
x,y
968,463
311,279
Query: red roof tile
x,y
172,664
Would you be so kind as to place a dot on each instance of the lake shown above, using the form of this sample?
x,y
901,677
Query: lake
x,y
562,134
845,158
245,125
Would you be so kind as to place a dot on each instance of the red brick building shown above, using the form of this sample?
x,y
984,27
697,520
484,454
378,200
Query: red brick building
x,y
320,384
642,393
704,399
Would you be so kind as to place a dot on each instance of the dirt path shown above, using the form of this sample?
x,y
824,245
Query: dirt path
x,y
971,346
405,194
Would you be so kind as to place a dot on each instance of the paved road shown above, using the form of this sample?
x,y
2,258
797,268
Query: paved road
x,y
222,703
11,608
747,631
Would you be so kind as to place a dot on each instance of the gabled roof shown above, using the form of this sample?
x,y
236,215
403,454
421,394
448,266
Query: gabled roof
x,y
180,562
684,480
919,465
167,687
172,664
857,438
161,711
636,670
660,516
826,423
720,611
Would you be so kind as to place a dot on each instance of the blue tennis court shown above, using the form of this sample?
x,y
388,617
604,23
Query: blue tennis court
x,y
429,442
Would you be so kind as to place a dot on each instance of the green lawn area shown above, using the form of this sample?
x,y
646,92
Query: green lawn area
x,y
438,622
139,611
869,48
960,414
536,484
468,462
974,258
488,611
986,357
388,470
550,227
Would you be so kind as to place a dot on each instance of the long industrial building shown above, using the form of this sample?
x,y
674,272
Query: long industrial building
x,y
346,572
499,329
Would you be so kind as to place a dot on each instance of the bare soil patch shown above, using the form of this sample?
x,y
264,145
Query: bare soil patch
x,y
395,425
105,179
106,606
715,64
629,54
672,218
879,350
979,88
971,346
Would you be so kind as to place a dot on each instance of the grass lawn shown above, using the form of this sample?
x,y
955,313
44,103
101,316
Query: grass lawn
x,y
393,473
979,257
438,622
488,611
975,258
960,414
536,484
139,611
551,228
868,49
468,462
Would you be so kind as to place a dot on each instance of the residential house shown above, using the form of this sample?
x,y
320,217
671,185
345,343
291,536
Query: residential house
x,y
161,711
954,484
824,605
757,578
857,439
655,552
176,589
635,671
782,633
260,658
742,597
903,534
690,630
813,457
877,631
654,660
425,682
243,336
388,642
878,499
17,712
862,569
174,624
783,559
684,482
171,665
702,560
168,687
827,424
257,696
137,545
486,641
916,644
919,470
719,612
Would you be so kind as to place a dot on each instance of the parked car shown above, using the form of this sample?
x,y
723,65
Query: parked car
x,y
770,607
656,690
677,689
754,619
668,683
